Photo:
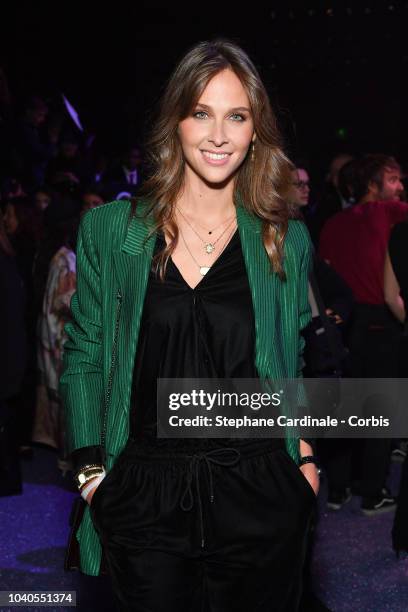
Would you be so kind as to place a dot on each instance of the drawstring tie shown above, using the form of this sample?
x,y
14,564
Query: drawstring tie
x,y
209,457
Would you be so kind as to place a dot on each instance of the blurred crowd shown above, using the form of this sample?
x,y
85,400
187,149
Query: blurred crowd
x,y
51,172
358,290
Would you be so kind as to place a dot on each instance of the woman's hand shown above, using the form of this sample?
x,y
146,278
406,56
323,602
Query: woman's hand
x,y
91,492
337,318
311,474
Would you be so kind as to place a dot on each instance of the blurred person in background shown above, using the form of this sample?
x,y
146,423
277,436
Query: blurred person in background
x,y
298,195
332,178
331,302
92,197
62,218
42,198
127,170
354,242
126,174
345,183
396,297
56,227
65,184
68,161
35,143
55,273
331,200
94,163
13,355
11,188
299,198
24,229
23,226
335,195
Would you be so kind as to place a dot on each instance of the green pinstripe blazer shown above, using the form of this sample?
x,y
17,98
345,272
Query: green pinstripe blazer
x,y
113,263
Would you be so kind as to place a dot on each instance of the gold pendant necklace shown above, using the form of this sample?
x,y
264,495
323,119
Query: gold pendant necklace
x,y
209,231
209,247
203,269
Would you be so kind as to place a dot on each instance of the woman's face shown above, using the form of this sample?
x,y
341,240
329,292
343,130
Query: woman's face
x,y
90,200
299,192
10,220
216,136
42,200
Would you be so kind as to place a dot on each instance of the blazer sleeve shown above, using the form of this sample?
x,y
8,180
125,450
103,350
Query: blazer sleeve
x,y
305,316
305,313
81,383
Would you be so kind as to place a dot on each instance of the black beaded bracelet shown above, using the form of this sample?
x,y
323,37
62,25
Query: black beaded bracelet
x,y
310,459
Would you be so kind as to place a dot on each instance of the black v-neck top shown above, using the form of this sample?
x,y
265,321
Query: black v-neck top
x,y
205,332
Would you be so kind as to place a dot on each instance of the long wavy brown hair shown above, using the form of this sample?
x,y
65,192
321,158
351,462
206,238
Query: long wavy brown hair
x,y
260,184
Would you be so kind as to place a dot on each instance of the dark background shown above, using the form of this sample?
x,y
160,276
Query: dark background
x,y
336,71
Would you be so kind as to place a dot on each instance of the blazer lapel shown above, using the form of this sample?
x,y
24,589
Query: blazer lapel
x,y
263,286
132,265
266,290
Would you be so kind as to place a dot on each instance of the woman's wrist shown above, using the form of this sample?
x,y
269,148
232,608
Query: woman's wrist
x,y
92,485
310,459
305,448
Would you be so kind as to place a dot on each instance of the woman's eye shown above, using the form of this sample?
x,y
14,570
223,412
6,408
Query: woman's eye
x,y
238,117
201,113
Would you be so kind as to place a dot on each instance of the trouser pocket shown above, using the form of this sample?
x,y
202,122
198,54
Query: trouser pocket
x,y
106,489
298,475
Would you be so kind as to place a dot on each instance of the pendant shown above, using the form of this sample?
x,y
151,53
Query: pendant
x,y
209,248
203,270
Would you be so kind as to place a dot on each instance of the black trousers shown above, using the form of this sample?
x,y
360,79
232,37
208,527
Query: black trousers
x,y
400,526
220,530
10,467
373,342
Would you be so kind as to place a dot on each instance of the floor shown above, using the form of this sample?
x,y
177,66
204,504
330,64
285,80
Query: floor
x,y
354,567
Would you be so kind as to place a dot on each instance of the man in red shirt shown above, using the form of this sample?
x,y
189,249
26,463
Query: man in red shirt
x,y
354,242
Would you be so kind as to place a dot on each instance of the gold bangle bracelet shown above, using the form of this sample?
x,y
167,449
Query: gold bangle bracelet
x,y
88,478
84,468
85,475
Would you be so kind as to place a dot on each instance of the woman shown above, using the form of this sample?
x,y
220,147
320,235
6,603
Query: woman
x,y
91,198
299,198
205,277
42,199
56,264
396,297
299,191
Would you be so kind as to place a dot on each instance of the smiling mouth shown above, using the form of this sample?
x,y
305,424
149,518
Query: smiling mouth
x,y
215,155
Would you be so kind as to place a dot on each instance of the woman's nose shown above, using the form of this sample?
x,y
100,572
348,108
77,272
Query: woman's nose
x,y
217,134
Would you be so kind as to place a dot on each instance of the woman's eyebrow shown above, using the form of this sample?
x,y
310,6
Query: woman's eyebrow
x,y
236,108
